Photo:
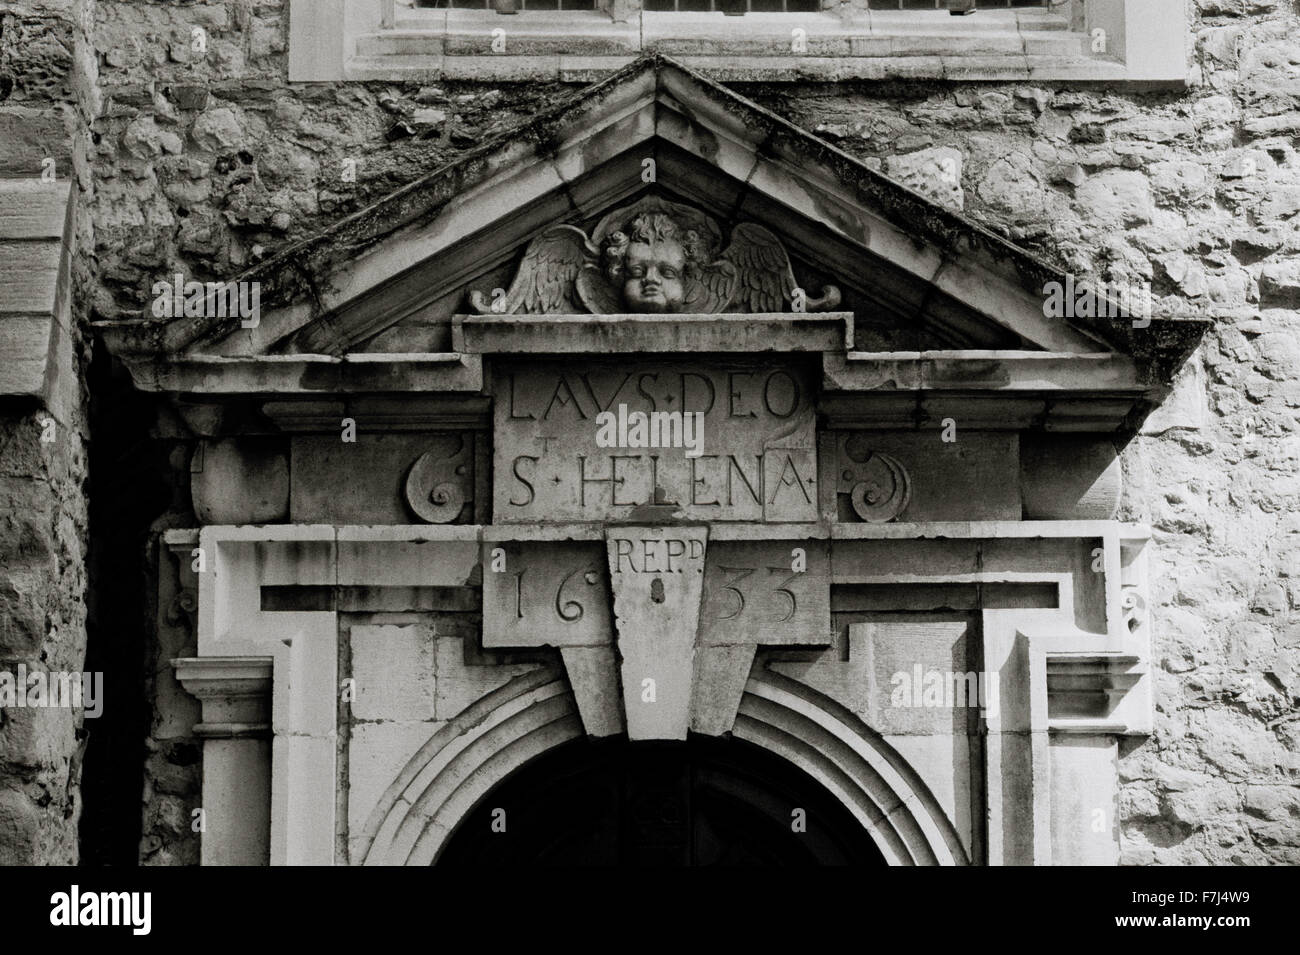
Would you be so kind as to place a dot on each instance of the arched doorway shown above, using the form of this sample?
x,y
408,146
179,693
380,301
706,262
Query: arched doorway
x,y
707,801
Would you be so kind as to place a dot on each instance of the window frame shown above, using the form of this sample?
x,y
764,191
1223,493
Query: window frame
x,y
339,40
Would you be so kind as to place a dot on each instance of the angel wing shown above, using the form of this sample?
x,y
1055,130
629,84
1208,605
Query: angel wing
x,y
764,279
713,288
763,269
545,281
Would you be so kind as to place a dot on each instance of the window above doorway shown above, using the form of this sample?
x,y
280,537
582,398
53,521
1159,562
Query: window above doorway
x,y
1117,41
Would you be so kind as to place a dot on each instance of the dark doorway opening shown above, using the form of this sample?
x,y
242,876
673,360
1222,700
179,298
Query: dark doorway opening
x,y
708,801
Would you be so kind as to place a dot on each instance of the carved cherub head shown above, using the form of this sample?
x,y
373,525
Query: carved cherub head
x,y
654,256
652,261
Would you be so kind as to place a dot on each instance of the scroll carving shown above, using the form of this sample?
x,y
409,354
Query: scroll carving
x,y
1134,609
654,256
439,484
184,608
877,484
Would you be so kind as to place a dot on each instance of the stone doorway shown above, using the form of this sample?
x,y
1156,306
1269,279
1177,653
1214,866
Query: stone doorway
x,y
707,801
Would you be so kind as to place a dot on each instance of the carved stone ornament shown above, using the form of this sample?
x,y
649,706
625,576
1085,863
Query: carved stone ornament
x,y
1134,609
438,484
654,256
878,485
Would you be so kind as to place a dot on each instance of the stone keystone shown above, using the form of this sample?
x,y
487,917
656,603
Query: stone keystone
x,y
657,577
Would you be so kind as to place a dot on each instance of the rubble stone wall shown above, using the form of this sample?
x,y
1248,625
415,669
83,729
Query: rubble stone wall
x,y
45,102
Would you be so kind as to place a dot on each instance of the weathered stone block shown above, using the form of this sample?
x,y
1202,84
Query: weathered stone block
x,y
657,574
1084,827
28,136
218,130
366,481
395,673
37,737
241,481
1069,478
1011,187
24,598
20,825
1116,198
377,752
763,592
544,593
593,674
972,478
460,682
932,172
719,683
36,55
1279,284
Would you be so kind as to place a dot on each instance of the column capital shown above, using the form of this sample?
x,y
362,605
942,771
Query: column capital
x,y
235,693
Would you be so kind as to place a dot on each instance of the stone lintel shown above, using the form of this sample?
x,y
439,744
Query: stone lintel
x,y
1130,533
426,413
652,334
559,531
988,529
307,374
981,390
963,369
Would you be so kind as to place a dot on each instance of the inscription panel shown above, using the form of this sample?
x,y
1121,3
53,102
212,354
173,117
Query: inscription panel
x,y
559,593
766,592
655,441
545,593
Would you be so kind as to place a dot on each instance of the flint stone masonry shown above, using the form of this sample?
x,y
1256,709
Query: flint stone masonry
x,y
934,172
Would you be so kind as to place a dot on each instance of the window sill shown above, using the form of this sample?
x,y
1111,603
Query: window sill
x,y
1006,45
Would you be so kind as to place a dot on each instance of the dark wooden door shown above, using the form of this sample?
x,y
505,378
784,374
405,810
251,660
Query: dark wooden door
x,y
703,802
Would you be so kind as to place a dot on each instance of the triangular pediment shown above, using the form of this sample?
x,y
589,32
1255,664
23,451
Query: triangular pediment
x,y
913,276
